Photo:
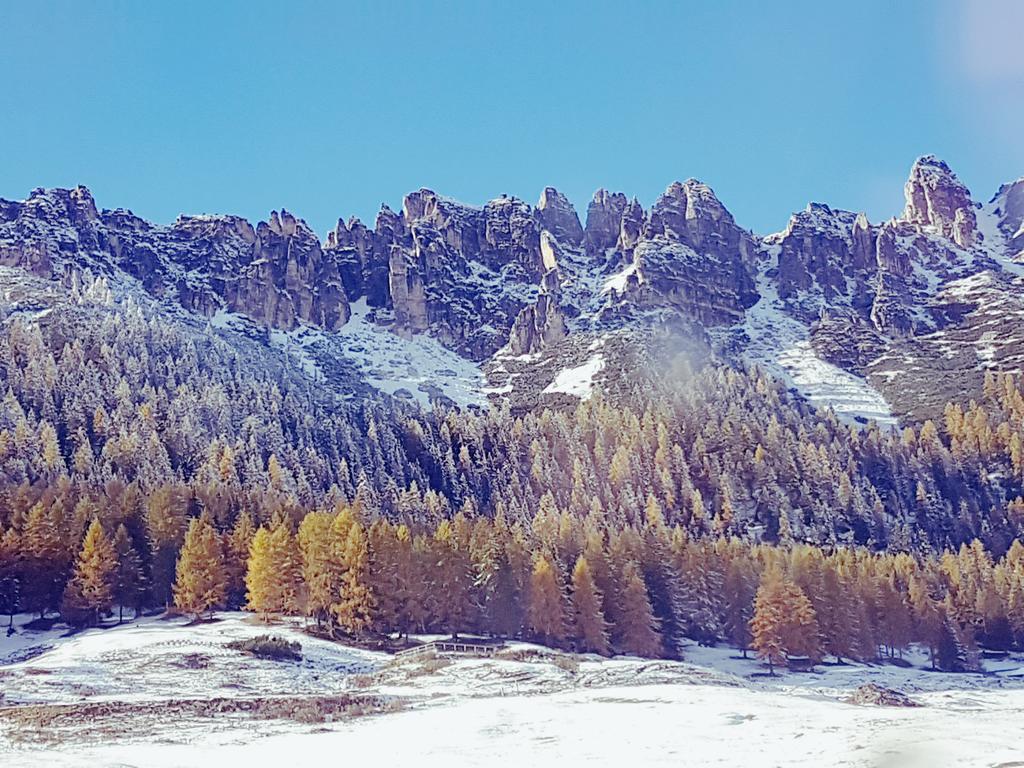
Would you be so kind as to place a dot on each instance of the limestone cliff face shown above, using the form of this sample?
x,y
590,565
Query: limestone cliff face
x,y
537,327
827,254
556,214
604,222
691,256
528,279
937,198
1009,211
274,273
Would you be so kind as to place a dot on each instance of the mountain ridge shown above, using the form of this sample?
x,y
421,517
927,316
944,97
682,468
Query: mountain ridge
x,y
508,281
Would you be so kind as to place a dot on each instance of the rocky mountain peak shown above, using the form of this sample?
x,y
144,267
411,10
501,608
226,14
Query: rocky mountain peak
x,y
1008,207
604,220
689,212
558,216
936,198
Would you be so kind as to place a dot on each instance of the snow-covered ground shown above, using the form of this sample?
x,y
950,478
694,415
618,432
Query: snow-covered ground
x,y
529,706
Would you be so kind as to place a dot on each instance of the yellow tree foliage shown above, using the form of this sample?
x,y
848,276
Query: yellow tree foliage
x,y
273,578
90,592
545,611
201,580
590,628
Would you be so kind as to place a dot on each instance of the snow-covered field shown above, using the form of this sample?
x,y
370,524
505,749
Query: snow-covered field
x,y
529,707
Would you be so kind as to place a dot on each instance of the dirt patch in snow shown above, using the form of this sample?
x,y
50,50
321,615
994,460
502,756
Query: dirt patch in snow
x,y
876,695
35,723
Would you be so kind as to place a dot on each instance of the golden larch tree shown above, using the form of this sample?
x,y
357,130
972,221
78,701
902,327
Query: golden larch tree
x,y
90,592
200,579
590,628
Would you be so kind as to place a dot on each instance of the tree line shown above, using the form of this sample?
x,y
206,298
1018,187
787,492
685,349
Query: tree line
x,y
114,405
565,581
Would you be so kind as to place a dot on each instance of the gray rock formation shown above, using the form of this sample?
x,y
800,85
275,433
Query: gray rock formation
x,y
531,280
556,214
537,327
828,255
937,198
693,258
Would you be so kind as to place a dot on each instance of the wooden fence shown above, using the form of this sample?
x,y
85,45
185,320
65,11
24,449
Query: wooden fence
x,y
466,647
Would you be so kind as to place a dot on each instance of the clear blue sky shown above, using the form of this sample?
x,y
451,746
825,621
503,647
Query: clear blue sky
x,y
329,109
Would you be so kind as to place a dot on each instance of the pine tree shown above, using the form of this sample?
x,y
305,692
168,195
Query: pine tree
x,y
545,611
590,627
166,524
259,575
353,608
10,581
321,571
767,626
739,590
201,581
636,629
128,578
452,579
236,558
89,593
273,578
802,634
44,561
784,622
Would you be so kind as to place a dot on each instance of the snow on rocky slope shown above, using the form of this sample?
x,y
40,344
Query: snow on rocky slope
x,y
528,705
430,302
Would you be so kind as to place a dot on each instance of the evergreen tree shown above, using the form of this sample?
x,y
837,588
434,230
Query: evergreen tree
x,y
784,622
236,558
590,627
201,580
739,590
321,571
10,581
452,579
129,587
636,629
546,609
354,606
767,627
273,578
166,524
43,561
89,593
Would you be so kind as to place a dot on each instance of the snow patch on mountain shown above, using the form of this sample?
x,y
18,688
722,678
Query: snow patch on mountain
x,y
578,381
416,368
781,344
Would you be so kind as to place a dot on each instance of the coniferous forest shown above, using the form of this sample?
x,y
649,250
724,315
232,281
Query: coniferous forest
x,y
143,466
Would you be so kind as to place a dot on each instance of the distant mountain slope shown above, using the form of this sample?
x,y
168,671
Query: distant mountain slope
x,y
528,304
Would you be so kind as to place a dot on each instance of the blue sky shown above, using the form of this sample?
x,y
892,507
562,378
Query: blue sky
x,y
329,109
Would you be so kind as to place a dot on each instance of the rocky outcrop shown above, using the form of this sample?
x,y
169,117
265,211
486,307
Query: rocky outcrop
x,y
462,274
362,258
289,279
692,257
508,275
631,227
604,222
275,273
39,233
936,198
825,257
556,214
537,327
1009,210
